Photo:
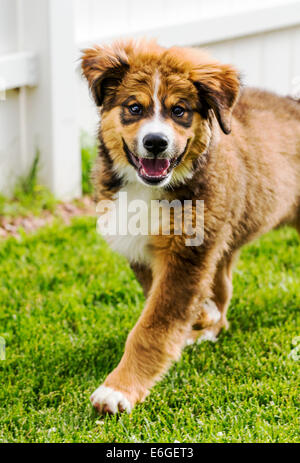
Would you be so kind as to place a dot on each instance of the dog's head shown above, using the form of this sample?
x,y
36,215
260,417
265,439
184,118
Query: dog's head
x,y
158,106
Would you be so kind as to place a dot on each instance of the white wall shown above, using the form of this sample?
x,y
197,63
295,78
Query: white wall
x,y
42,115
96,19
9,121
261,37
269,60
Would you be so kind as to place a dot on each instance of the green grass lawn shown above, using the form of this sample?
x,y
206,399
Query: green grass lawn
x,y
67,305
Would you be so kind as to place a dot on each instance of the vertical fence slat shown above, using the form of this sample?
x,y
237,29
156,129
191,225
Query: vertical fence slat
x,y
52,125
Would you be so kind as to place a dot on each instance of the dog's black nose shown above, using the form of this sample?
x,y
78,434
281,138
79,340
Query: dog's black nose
x,y
155,142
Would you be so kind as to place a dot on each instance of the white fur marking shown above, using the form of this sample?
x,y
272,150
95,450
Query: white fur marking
x,y
212,310
111,398
133,247
155,96
207,336
189,341
156,124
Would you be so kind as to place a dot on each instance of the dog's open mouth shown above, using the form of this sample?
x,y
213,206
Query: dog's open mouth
x,y
151,170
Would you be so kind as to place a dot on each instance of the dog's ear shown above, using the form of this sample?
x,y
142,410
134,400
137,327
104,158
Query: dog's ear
x,y
218,89
104,68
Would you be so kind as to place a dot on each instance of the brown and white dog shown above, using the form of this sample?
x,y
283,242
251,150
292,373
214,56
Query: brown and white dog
x,y
175,125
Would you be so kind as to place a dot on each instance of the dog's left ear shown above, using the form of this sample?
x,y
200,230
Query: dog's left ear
x,y
218,89
104,68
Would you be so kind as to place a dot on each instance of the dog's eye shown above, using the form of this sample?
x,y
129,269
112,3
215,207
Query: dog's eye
x,y
178,111
135,109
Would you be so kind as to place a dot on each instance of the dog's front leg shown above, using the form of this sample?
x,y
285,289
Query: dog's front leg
x,y
157,338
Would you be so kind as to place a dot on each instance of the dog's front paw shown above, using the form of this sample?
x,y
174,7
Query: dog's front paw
x,y
107,400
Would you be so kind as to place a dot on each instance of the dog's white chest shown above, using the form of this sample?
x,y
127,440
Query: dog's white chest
x,y
134,248
127,226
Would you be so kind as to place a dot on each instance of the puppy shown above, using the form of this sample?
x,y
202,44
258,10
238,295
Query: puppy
x,y
175,125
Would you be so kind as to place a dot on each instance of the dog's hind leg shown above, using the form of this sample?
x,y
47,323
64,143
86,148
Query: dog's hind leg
x,y
212,317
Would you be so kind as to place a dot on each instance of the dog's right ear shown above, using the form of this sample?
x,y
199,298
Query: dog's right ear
x,y
104,68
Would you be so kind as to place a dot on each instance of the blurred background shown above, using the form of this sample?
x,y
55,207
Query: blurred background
x,y
46,111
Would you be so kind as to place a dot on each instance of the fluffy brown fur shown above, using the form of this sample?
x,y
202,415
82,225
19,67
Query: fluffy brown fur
x,y
242,158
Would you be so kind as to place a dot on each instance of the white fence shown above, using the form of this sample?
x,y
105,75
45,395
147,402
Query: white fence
x,y
44,104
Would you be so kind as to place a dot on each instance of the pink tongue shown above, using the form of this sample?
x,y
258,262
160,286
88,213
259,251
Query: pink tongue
x,y
155,167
